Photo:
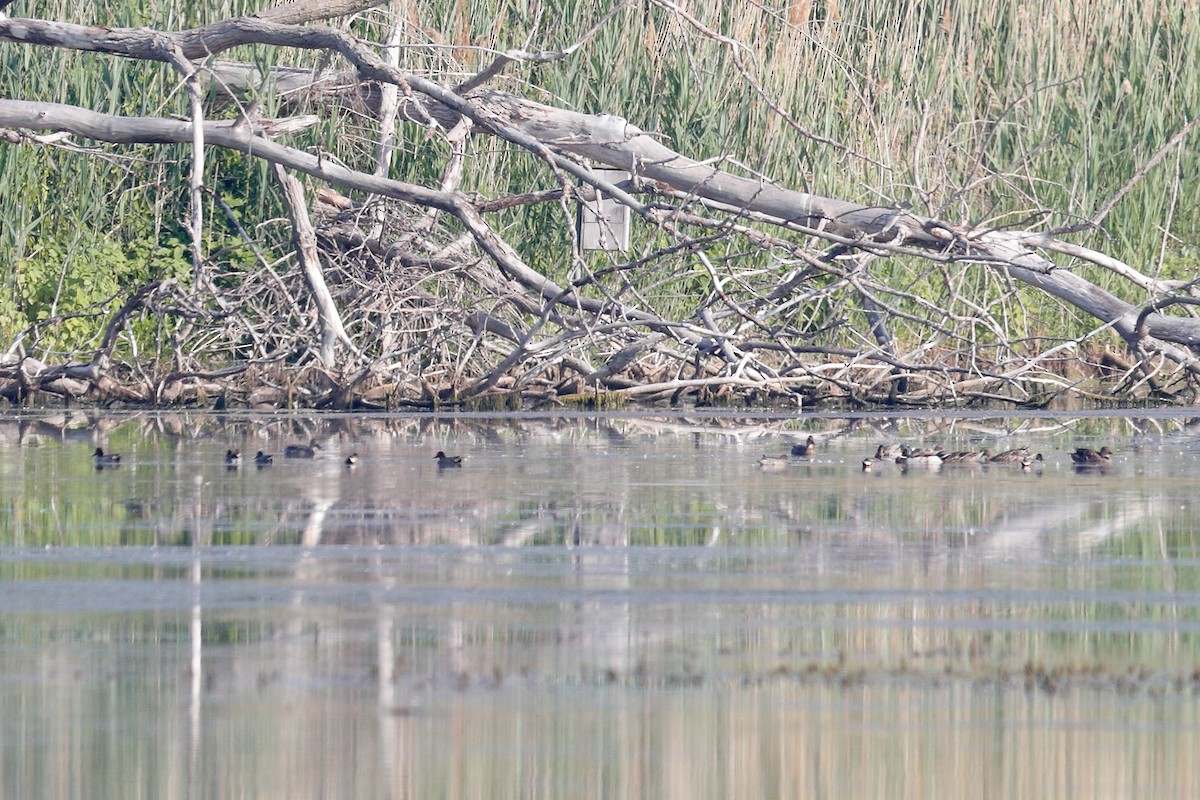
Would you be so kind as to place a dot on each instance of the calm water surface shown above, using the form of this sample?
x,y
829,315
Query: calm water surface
x,y
596,607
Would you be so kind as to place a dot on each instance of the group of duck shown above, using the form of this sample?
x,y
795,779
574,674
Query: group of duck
x,y
1082,457
233,458
905,457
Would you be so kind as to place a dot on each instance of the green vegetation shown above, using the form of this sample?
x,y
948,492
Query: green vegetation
x,y
983,111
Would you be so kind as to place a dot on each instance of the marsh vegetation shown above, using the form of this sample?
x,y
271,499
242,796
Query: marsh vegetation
x,y
910,203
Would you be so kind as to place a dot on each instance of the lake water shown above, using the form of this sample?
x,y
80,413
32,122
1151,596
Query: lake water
x,y
597,607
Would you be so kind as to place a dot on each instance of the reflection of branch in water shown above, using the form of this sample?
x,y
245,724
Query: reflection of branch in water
x,y
1069,524
1072,524
1006,428
526,531
311,537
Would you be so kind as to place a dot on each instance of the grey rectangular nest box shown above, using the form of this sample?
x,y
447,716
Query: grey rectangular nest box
x,y
603,222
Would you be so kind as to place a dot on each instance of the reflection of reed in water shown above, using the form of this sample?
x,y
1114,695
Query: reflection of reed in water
x,y
549,480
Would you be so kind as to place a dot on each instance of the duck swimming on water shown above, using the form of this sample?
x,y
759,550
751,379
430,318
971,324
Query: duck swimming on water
x,y
104,459
809,448
447,462
962,457
1085,456
919,458
1035,464
301,450
773,463
1015,456
887,451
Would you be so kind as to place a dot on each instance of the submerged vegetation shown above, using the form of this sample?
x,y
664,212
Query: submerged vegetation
x,y
1053,117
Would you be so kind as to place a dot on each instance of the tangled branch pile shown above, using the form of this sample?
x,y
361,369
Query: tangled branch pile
x,y
376,292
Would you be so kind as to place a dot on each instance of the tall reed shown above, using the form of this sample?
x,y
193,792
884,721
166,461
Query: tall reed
x,y
981,111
